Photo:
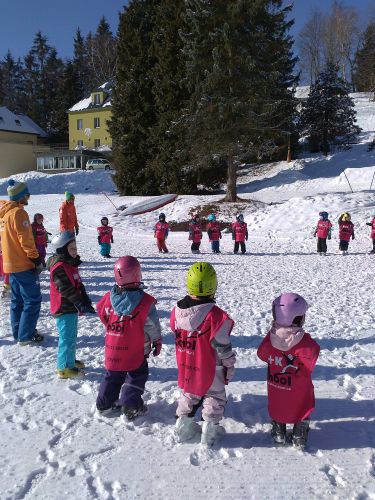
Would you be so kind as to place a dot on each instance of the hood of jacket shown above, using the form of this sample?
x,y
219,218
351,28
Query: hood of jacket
x,y
7,206
124,301
190,313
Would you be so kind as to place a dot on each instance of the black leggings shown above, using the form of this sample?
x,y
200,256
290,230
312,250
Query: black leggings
x,y
322,245
237,244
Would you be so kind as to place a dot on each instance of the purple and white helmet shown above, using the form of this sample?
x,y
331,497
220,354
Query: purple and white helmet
x,y
287,308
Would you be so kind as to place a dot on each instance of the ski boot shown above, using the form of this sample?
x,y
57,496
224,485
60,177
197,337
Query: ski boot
x,y
69,373
6,292
299,434
131,413
37,338
278,432
211,433
186,428
79,364
111,411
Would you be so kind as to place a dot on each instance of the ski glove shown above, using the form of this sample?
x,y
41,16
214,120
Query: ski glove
x,y
228,366
156,347
99,240
85,308
39,267
111,239
77,230
329,236
353,236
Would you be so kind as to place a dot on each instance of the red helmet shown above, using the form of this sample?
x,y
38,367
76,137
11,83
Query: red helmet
x,y
289,309
128,271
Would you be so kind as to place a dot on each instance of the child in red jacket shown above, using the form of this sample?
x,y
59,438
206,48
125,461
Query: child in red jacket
x,y
372,225
105,237
161,233
346,231
214,233
323,231
239,234
40,236
195,234
291,355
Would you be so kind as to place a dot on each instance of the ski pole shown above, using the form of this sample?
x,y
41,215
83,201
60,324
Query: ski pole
x,y
109,199
372,180
348,181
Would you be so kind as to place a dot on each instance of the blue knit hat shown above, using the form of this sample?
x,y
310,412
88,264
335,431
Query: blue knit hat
x,y
17,190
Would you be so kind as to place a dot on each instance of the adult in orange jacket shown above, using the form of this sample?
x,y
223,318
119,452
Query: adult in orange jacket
x,y
21,260
68,215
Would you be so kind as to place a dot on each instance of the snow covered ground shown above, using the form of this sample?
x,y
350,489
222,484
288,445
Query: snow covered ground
x,y
55,445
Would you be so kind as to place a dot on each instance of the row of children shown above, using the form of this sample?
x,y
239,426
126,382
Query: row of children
x,y
323,231
239,233
204,355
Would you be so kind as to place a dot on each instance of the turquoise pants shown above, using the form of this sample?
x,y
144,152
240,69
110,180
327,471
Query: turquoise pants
x,y
105,249
67,326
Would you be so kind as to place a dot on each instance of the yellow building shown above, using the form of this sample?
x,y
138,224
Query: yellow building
x,y
19,135
88,127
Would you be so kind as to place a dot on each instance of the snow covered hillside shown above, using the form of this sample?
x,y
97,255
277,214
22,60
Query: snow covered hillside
x,y
54,444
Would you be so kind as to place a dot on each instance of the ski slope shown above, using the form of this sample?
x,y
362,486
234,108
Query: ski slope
x,y
55,445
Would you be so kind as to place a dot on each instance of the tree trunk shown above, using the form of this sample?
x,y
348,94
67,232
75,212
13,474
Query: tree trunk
x,y
231,180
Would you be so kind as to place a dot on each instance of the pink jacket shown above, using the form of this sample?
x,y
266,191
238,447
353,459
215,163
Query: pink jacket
x,y
289,385
105,234
323,228
195,232
239,231
346,230
202,342
161,230
213,231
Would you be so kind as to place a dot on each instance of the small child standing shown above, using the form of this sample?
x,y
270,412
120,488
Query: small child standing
x,y
372,224
239,234
132,331
40,237
346,230
105,237
161,232
291,355
323,231
6,286
205,359
68,299
214,233
195,234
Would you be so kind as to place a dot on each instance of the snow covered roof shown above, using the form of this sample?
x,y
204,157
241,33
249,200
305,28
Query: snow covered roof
x,y
302,92
12,122
87,102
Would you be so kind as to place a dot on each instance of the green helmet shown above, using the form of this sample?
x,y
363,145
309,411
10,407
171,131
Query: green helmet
x,y
201,280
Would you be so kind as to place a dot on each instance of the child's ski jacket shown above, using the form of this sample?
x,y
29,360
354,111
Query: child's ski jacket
x,y
213,231
105,234
68,217
372,224
195,232
202,332
323,229
239,231
40,234
289,386
132,324
66,287
161,230
346,230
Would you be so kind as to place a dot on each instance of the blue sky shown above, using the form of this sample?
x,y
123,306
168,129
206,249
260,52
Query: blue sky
x,y
59,19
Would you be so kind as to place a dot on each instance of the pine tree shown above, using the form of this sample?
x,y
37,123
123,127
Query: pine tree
x,y
171,94
239,70
11,83
81,79
102,54
328,116
41,75
364,73
133,103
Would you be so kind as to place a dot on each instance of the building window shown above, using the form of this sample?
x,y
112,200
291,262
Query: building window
x,y
96,122
97,99
79,124
80,143
97,143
